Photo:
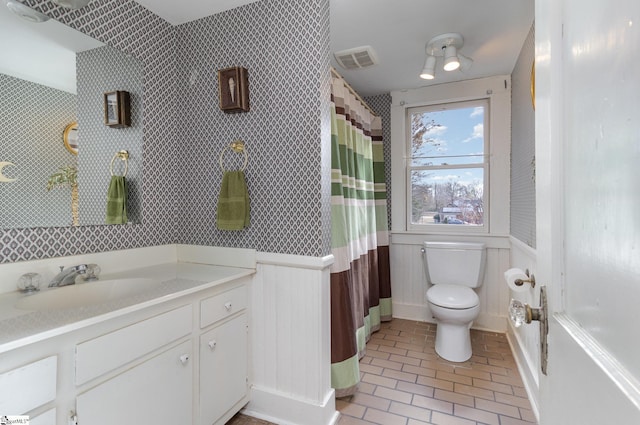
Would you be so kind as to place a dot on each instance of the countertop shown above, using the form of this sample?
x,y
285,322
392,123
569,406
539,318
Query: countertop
x,y
22,327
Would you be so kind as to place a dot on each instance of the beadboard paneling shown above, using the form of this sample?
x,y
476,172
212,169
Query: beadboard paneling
x,y
291,340
409,284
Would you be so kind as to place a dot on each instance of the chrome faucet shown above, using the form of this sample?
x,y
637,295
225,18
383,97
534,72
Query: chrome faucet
x,y
68,276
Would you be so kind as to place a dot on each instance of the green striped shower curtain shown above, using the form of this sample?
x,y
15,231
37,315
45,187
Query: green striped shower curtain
x,y
360,276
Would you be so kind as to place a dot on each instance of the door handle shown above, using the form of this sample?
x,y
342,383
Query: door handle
x,y
521,313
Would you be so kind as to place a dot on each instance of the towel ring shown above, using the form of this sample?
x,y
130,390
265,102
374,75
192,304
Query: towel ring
x,y
123,155
238,147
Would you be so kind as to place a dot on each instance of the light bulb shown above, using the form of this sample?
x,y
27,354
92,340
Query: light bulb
x,y
451,62
428,72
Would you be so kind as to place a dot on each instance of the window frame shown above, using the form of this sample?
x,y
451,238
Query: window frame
x,y
484,165
497,90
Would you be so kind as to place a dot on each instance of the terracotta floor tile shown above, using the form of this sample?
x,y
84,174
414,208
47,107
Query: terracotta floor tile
x,y
499,408
435,383
476,415
513,400
350,409
387,364
454,397
409,411
433,404
400,376
404,382
473,391
384,418
379,380
415,389
371,401
415,422
494,386
388,393
442,419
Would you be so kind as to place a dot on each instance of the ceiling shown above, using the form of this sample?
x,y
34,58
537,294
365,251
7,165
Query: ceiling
x,y
52,47
493,31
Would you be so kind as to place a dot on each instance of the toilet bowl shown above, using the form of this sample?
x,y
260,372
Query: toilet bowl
x,y
453,270
454,308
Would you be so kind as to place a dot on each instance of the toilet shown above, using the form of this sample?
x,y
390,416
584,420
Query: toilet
x,y
453,269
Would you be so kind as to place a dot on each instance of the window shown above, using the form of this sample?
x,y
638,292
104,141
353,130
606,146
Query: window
x,y
447,166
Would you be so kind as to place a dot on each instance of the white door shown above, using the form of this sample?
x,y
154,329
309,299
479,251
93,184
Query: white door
x,y
588,207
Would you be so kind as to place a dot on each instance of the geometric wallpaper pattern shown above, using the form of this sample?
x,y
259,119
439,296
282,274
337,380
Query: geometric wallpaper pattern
x,y
133,29
101,70
33,118
381,105
523,183
285,46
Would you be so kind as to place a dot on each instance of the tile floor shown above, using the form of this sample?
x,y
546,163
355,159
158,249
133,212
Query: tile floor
x,y
404,382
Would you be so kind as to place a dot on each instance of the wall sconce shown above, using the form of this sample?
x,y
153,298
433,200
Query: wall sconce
x,y
446,46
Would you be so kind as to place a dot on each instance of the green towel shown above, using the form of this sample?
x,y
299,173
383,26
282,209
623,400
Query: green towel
x,y
117,201
233,202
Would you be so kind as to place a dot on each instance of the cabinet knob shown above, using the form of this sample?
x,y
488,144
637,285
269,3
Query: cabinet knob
x,y
184,359
227,305
212,344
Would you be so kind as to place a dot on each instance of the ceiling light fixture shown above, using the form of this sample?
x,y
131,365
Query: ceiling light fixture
x,y
446,46
25,12
429,70
72,4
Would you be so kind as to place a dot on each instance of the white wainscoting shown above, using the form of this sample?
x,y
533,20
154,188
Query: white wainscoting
x,y
525,340
408,281
291,341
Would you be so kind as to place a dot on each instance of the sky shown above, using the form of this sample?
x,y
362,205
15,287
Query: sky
x,y
460,132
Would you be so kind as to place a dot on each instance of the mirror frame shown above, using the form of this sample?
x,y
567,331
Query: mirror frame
x,y
70,137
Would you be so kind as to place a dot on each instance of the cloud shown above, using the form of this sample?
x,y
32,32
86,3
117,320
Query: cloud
x,y
436,130
478,111
478,133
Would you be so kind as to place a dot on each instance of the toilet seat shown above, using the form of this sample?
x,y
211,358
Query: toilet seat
x,y
453,296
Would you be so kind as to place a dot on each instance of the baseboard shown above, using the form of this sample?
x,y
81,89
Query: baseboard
x,y
282,409
527,372
417,312
420,313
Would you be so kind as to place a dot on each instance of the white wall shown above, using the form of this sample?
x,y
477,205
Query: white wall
x,y
407,273
291,340
525,340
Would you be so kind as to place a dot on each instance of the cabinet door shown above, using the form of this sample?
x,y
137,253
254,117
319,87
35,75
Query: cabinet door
x,y
223,369
158,391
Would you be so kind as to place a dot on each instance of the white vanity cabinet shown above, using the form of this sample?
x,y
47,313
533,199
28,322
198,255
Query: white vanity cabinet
x,y
152,391
223,356
157,391
180,360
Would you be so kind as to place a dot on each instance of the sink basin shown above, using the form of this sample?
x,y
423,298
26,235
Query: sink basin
x,y
85,294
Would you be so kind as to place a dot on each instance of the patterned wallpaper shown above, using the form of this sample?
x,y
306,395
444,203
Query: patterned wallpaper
x,y
285,46
523,187
103,70
33,119
130,27
381,105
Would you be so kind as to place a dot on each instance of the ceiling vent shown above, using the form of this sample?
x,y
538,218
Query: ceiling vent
x,y
358,57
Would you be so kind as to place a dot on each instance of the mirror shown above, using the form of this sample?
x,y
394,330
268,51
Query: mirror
x,y
54,145
70,138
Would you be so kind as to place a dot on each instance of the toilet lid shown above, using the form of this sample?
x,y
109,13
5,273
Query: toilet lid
x,y
452,296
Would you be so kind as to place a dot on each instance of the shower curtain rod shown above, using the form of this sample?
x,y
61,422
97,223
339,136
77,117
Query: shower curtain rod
x,y
353,92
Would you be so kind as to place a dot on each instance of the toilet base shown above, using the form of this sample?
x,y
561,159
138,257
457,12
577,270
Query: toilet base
x,y
453,342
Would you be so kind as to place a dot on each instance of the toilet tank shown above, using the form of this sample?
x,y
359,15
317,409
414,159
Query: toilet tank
x,y
455,263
